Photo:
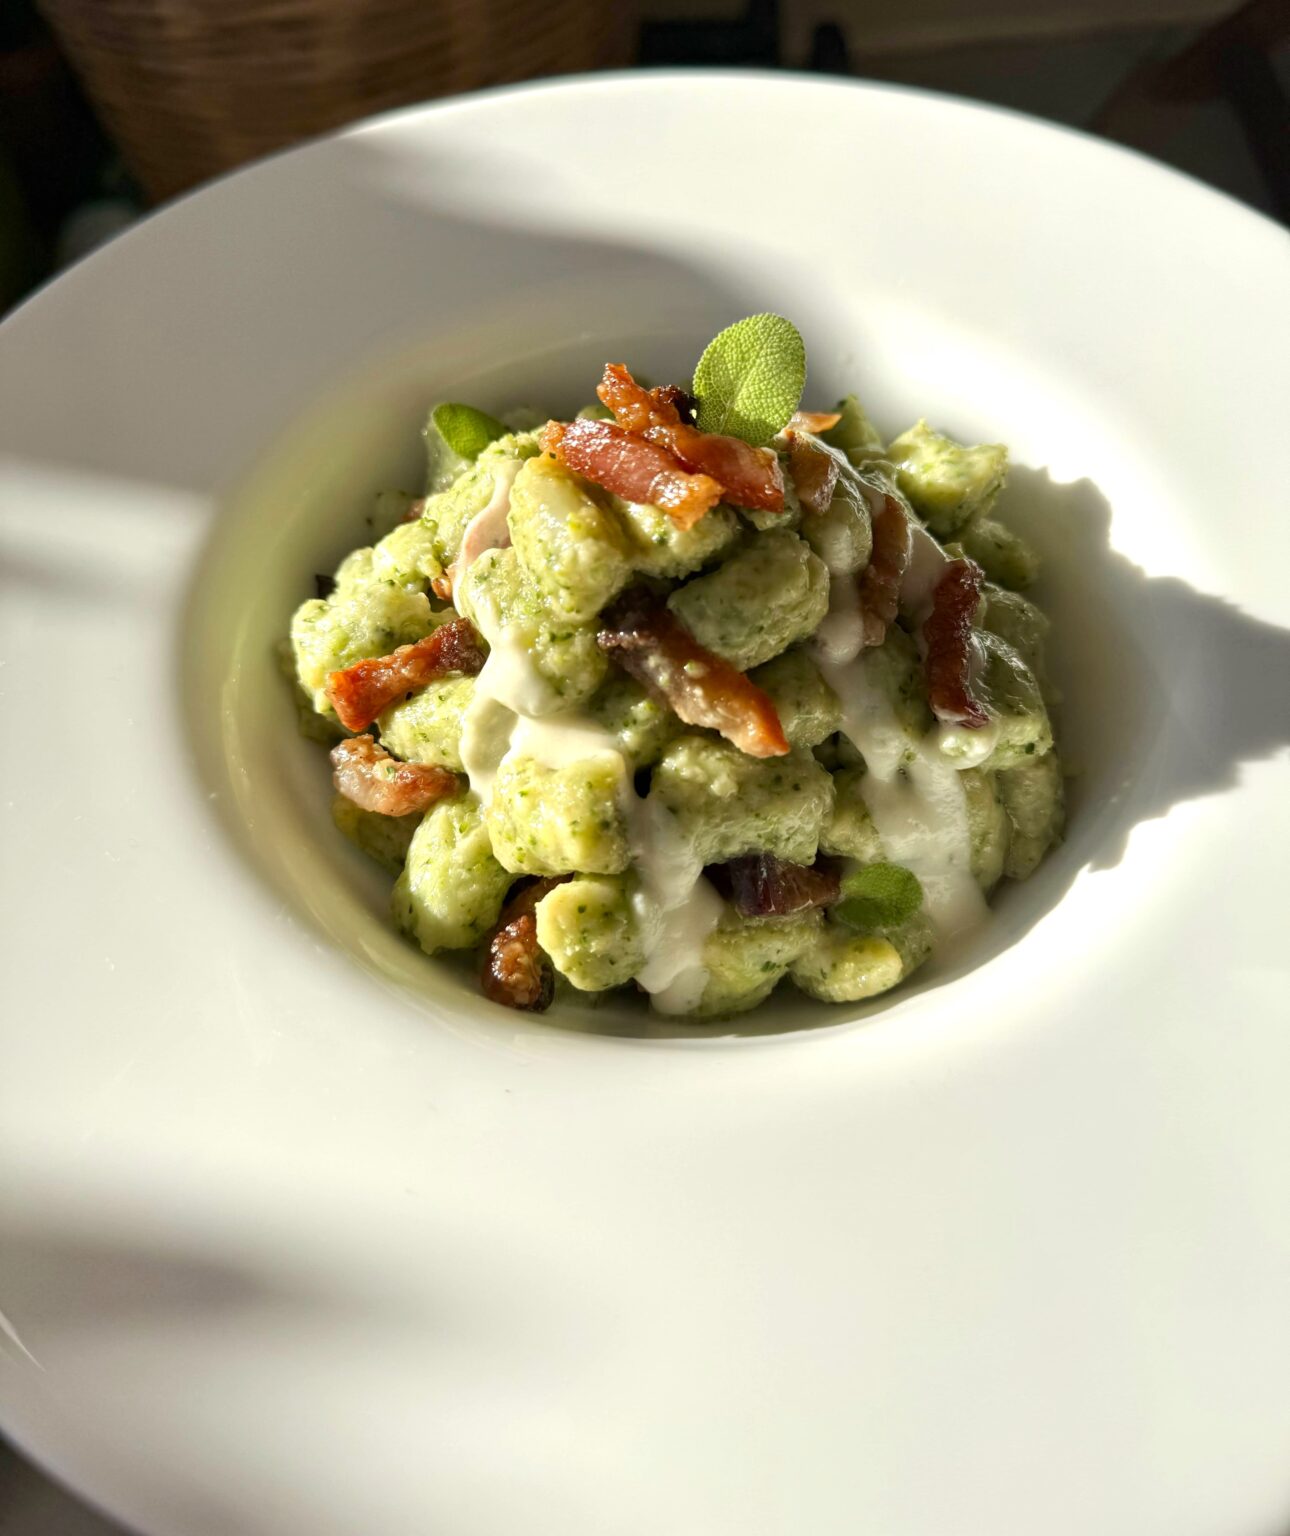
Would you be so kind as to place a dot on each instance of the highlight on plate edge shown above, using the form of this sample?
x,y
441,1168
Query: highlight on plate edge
x,y
691,694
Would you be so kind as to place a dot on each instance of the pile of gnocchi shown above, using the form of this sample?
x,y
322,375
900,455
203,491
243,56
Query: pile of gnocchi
x,y
676,698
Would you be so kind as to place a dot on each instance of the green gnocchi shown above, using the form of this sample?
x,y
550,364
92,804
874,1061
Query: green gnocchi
x,y
555,821
564,654
727,803
947,483
625,742
572,548
767,596
451,890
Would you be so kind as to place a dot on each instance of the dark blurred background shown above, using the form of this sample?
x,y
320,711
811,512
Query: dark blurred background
x,y
110,106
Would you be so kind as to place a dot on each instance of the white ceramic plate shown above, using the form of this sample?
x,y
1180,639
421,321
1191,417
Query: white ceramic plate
x,y
301,1237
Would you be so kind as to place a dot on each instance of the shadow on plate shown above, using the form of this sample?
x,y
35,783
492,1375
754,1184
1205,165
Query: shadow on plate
x,y
86,1290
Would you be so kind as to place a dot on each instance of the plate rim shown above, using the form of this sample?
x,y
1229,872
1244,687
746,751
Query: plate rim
x,y
671,75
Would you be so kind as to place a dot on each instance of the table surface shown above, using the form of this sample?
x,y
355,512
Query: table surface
x,y
32,1505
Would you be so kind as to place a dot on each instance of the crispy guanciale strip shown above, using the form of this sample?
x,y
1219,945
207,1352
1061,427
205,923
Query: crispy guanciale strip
x,y
760,885
515,972
813,421
646,639
815,472
637,408
947,637
748,476
893,543
361,692
365,773
630,467
683,403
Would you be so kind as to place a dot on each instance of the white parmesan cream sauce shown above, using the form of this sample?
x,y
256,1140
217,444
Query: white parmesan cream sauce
x,y
675,907
912,788
927,563
515,710
841,631
840,636
508,689
915,796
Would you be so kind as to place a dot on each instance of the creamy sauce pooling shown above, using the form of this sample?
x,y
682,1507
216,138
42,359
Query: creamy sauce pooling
x,y
508,689
841,631
927,563
911,788
675,907
915,796
514,710
840,635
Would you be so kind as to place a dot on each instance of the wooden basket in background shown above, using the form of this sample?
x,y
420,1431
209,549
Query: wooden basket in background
x,y
189,88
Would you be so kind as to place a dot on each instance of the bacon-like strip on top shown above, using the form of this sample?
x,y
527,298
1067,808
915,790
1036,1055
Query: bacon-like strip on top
x,y
947,637
635,407
813,421
682,402
365,773
893,543
760,885
749,476
815,472
630,467
646,639
515,972
359,693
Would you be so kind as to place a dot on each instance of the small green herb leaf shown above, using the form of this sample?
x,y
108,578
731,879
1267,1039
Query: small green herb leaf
x,y
750,378
465,430
878,896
